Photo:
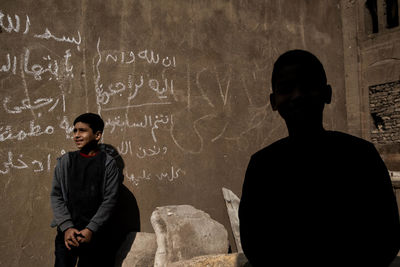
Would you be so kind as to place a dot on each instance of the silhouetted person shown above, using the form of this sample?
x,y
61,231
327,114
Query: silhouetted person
x,y
316,197
83,197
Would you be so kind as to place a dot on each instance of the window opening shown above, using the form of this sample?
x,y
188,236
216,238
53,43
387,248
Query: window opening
x,y
392,14
372,7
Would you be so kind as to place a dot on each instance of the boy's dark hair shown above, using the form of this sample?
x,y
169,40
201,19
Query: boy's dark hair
x,y
309,63
95,121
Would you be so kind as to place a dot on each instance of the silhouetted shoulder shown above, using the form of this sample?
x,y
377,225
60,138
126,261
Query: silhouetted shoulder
x,y
344,139
272,149
345,136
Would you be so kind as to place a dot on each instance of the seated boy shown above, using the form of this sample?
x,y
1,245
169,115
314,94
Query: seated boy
x,y
84,193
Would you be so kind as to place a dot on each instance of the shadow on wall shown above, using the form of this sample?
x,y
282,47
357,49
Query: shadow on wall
x,y
126,217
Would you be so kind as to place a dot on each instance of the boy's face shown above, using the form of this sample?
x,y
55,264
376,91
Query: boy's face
x,y
84,136
297,95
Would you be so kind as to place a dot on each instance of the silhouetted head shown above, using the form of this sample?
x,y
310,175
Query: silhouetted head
x,y
299,89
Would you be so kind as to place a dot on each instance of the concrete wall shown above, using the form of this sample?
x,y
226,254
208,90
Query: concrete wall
x,y
183,134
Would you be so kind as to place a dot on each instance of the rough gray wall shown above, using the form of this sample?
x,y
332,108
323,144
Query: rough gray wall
x,y
384,103
182,85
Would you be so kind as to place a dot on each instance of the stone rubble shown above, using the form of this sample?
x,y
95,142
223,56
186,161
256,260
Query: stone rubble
x,y
184,236
184,232
232,202
139,249
222,260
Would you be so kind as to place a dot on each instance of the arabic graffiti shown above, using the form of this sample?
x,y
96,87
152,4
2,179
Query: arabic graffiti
x,y
8,133
148,56
37,70
151,151
142,152
13,25
125,148
149,121
65,125
48,35
129,89
55,68
140,78
27,105
117,88
7,67
18,163
170,175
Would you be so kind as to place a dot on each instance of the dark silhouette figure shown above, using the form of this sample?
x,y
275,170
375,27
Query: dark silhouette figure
x,y
317,197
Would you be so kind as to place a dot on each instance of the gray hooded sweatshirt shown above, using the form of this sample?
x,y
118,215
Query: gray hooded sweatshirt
x,y
59,195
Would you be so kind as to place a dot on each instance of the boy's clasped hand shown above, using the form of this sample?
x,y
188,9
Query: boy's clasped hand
x,y
73,237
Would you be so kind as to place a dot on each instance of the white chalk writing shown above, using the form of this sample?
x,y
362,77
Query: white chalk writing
x,y
65,125
169,175
125,148
27,105
53,67
151,151
142,152
8,133
130,89
14,26
97,87
118,88
149,121
10,66
148,56
19,163
48,35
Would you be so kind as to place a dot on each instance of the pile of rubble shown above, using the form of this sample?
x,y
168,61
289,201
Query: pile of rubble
x,y
184,237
